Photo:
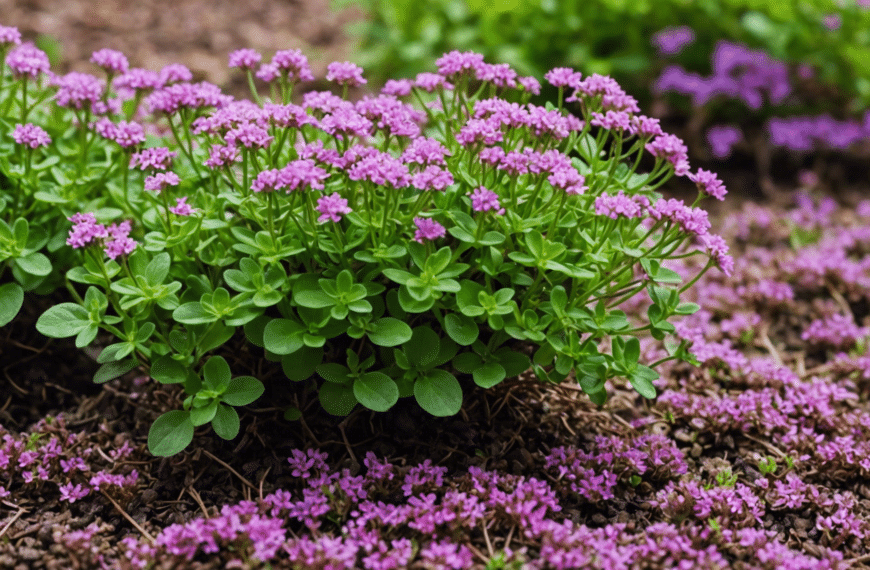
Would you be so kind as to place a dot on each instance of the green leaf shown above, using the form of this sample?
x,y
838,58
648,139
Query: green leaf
x,y
216,373
170,433
467,362
34,264
193,314
334,373
112,370
226,422
489,375
167,370
388,331
376,391
201,416
313,299
631,352
422,348
439,393
641,379
157,269
461,328
283,336
242,391
11,299
63,320
687,308
337,399
302,364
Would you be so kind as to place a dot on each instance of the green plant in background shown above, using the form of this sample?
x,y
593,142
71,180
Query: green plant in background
x,y
614,36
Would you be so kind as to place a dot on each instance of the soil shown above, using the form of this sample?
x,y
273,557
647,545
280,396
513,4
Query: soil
x,y
508,428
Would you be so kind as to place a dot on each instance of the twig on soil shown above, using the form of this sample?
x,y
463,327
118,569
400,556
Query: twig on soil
x,y
12,521
486,538
766,445
507,541
124,514
347,446
14,385
233,471
768,344
195,494
263,478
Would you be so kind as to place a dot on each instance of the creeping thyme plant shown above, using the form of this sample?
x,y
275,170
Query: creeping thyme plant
x,y
396,246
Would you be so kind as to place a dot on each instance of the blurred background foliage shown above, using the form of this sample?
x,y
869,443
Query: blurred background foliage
x,y
400,38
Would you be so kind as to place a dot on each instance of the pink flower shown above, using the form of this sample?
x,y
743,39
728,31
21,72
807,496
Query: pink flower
x,y
27,59
455,63
345,73
484,200
433,178
84,230
671,148
31,135
530,84
182,208
174,73
245,58
110,60
76,90
161,180
157,158
138,79
708,183
72,493
222,155
397,87
427,229
9,36
294,63
332,207
563,77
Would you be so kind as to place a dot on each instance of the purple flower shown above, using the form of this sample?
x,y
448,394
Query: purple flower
x,y
78,89
486,131
397,87
138,79
429,82
222,155
612,120
85,229
174,73
9,36
391,115
620,205
31,135
455,63
332,207
72,493
27,59
671,41
569,180
432,178
119,244
426,151
294,64
708,183
111,61
345,73
126,134
499,74
671,148
530,84
484,200
722,138
427,229
382,169
248,135
181,208
158,182
563,77
245,58
156,158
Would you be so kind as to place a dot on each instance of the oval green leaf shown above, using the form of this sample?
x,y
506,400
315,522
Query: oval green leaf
x,y
11,299
242,391
376,391
226,422
337,399
389,332
439,393
170,433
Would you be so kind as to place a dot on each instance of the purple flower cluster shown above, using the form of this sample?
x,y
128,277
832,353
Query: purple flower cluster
x,y
671,41
30,135
156,158
738,73
27,60
77,90
115,238
111,61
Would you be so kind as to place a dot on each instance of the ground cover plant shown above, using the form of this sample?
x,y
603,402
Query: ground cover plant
x,y
314,228
750,456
